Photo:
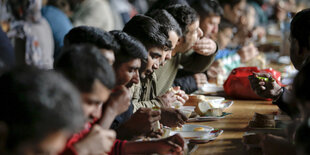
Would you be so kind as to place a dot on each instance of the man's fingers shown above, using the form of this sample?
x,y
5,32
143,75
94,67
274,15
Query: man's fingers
x,y
180,99
262,83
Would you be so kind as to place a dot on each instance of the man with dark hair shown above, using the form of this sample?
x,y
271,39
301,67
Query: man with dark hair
x,y
171,26
39,110
95,36
299,53
210,13
233,10
127,65
88,69
90,72
194,61
155,39
162,4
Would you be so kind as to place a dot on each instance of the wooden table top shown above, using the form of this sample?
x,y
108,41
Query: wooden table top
x,y
234,126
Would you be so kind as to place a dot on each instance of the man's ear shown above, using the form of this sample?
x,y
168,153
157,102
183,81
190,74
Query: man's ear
x,y
3,136
181,40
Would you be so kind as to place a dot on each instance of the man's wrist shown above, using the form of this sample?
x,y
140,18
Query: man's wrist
x,y
280,92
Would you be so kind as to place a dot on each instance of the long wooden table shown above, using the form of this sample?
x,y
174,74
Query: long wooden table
x,y
234,126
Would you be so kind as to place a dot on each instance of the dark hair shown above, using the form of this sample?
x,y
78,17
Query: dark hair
x,y
131,48
148,31
225,24
37,103
206,8
166,20
300,28
231,3
19,8
83,64
91,35
184,15
163,4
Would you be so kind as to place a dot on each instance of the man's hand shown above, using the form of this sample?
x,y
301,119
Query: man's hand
x,y
172,96
119,100
205,46
172,117
98,141
171,145
248,52
140,123
168,98
263,88
215,69
201,79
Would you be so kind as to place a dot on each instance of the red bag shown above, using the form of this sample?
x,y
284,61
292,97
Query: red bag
x,y
238,85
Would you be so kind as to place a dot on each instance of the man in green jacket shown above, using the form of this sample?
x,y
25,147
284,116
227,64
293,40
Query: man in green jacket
x,y
197,60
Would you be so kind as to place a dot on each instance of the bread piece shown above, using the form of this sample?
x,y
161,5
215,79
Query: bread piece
x,y
217,112
202,108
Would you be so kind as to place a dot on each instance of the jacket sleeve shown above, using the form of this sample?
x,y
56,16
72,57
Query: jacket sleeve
x,y
187,83
194,62
137,103
118,147
285,105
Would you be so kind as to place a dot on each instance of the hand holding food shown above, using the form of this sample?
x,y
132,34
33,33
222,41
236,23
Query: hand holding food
x,y
201,79
119,100
142,122
205,46
172,117
265,86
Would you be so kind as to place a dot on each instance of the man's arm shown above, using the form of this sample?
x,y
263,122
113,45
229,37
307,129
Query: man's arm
x,y
194,62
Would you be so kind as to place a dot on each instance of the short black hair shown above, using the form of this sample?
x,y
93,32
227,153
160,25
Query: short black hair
x,y
83,64
131,48
166,20
184,15
206,8
36,103
148,31
91,35
300,28
231,3
163,4
225,24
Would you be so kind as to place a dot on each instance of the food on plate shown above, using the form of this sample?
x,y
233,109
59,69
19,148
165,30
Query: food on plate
x,y
202,107
217,112
199,129
195,99
187,113
207,108
176,128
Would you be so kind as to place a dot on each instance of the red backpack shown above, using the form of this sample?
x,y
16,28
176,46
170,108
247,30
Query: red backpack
x,y
238,85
